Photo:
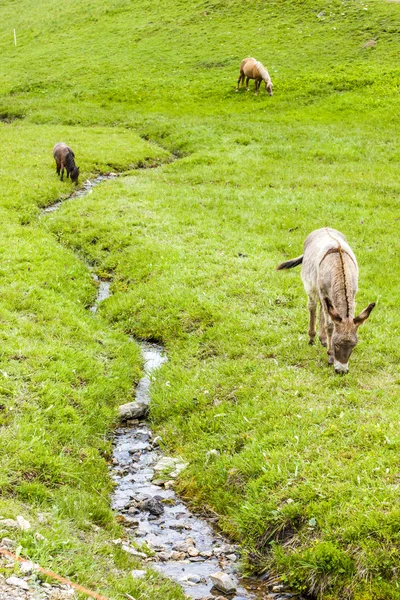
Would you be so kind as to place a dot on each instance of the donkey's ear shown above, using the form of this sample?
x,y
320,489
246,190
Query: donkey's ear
x,y
333,313
364,315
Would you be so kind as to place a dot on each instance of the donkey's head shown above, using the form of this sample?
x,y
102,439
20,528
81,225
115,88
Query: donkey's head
x,y
75,175
344,336
268,87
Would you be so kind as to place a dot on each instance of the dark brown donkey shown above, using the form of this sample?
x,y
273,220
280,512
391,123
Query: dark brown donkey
x,y
64,158
330,276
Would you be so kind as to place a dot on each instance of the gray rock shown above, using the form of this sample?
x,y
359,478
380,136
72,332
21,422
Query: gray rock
x,y
9,523
133,410
23,524
194,578
7,543
177,555
138,573
163,556
223,582
17,582
153,506
165,463
27,567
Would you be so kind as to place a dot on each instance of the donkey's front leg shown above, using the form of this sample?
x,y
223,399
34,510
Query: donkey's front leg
x,y
247,83
329,331
312,308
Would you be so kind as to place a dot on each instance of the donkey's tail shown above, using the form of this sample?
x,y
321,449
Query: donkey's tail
x,y
289,264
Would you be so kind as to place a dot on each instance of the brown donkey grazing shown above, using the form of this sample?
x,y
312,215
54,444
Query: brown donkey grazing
x,y
64,158
330,276
250,68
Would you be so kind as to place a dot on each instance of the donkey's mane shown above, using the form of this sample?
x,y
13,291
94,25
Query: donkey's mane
x,y
341,251
69,162
263,71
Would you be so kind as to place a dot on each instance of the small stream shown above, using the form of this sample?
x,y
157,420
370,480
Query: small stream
x,y
182,546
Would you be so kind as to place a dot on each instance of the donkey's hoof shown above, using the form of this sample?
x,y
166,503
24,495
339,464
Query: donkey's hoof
x,y
331,360
311,342
323,342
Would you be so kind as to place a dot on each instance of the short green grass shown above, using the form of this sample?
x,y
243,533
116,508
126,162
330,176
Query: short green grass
x,y
307,475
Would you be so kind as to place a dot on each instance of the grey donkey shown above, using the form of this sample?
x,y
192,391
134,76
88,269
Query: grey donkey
x,y
330,276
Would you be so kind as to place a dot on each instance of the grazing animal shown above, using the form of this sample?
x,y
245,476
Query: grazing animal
x,y
330,276
250,68
64,158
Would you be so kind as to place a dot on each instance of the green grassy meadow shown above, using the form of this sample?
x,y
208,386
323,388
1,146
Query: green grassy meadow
x,y
307,473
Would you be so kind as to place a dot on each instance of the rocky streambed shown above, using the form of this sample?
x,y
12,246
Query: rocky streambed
x,y
159,528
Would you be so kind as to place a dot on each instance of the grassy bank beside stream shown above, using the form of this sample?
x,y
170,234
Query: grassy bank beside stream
x,y
307,470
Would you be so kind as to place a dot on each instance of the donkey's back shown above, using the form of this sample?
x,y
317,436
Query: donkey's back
x,y
318,245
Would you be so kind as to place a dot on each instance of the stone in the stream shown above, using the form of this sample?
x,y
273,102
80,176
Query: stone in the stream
x,y
165,463
175,555
194,578
182,547
206,553
192,551
17,582
223,582
133,410
163,556
153,506
157,547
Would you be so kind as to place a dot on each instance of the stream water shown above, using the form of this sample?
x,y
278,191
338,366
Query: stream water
x,y
183,546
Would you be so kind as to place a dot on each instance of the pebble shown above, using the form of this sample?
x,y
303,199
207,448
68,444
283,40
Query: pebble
x,y
9,523
153,506
194,578
7,543
17,582
27,567
138,573
23,524
133,410
163,556
223,582
177,555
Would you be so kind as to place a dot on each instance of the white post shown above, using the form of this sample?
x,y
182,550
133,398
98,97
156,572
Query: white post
x,y
15,38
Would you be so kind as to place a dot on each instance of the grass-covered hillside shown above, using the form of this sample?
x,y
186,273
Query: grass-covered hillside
x,y
307,470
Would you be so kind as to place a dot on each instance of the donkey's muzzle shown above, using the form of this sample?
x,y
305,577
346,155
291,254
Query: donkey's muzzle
x,y
340,368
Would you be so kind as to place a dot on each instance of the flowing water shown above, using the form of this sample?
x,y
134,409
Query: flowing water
x,y
184,547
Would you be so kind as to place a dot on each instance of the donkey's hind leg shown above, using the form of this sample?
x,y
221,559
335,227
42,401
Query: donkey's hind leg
x,y
322,334
312,308
240,80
